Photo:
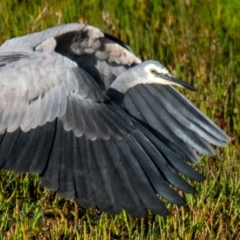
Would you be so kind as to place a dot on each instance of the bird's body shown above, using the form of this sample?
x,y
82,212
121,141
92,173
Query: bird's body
x,y
80,109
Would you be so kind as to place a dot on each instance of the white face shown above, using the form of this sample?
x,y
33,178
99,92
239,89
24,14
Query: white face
x,y
153,69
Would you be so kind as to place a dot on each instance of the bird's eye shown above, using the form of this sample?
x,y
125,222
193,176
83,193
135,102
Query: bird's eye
x,y
153,71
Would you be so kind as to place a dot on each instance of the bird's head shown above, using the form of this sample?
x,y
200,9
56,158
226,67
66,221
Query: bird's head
x,y
148,72
155,72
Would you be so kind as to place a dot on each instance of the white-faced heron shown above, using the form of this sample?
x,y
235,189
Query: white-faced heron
x,y
79,108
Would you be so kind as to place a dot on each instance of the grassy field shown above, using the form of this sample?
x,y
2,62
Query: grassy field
x,y
198,42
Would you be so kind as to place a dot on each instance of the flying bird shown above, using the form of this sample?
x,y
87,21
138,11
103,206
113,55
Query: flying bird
x,y
96,123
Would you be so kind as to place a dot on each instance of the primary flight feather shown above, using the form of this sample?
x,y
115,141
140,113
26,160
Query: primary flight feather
x,y
79,108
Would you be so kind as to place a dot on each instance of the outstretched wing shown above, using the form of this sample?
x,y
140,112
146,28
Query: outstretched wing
x,y
174,119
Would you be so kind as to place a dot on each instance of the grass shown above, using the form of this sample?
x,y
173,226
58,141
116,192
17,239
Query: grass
x,y
198,42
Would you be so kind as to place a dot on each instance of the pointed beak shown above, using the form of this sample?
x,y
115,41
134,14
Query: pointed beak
x,y
170,80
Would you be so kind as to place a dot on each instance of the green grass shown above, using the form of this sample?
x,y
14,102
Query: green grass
x,y
198,42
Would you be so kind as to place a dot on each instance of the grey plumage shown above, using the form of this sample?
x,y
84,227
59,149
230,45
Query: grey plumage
x,y
79,108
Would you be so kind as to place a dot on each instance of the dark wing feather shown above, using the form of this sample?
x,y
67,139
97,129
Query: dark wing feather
x,y
139,180
23,151
124,191
103,180
44,146
138,108
180,122
82,172
66,171
162,169
146,157
50,175
198,119
6,148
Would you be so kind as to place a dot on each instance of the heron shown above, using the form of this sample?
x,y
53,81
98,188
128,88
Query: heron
x,y
81,110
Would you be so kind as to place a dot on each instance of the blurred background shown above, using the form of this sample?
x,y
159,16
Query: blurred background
x,y
199,42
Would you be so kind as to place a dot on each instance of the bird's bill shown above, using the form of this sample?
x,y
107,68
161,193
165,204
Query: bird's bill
x,y
170,80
